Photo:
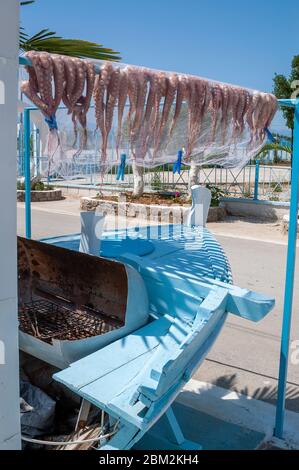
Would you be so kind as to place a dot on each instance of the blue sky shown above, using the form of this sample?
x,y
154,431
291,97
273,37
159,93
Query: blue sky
x,y
243,42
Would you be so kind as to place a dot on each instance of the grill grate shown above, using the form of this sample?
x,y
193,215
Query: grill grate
x,y
46,320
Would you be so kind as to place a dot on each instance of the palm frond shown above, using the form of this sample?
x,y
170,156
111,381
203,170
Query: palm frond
x,y
275,146
46,40
22,35
44,33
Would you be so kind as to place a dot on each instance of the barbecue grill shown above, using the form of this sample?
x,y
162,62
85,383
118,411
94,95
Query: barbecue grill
x,y
71,304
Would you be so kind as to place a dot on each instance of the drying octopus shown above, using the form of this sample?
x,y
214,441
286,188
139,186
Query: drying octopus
x,y
261,111
198,98
151,97
99,95
56,78
80,78
44,88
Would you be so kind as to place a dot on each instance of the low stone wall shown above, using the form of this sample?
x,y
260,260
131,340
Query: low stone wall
x,y
41,196
285,225
264,210
173,213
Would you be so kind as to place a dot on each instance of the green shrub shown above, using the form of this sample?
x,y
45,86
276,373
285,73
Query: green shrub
x,y
35,186
216,193
156,183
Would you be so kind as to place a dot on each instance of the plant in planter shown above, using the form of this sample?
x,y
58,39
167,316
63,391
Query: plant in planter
x,y
35,186
216,193
156,183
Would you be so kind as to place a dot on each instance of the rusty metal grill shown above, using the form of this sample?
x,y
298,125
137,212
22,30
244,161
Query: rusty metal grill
x,y
46,320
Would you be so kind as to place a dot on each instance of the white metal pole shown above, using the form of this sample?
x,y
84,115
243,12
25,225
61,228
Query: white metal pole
x,y
9,356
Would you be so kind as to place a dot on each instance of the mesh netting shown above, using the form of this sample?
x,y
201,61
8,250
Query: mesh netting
x,y
151,115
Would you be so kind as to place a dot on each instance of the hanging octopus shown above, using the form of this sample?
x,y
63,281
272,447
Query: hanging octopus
x,y
181,92
258,101
80,76
267,112
43,77
111,99
82,105
148,116
247,104
198,99
151,95
226,103
216,105
52,79
100,88
273,105
39,86
171,88
122,99
160,93
141,93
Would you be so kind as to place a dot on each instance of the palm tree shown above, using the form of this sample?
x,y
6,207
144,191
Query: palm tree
x,y
46,40
276,146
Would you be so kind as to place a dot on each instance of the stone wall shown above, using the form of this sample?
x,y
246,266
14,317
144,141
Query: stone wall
x,y
41,196
263,210
172,214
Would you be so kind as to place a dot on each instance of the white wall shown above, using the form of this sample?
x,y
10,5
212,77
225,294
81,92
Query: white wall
x,y
9,363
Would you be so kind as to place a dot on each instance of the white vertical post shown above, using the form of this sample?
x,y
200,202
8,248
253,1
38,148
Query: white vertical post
x,y
92,226
201,201
9,362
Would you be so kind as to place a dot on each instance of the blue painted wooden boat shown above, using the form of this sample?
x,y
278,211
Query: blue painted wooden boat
x,y
188,282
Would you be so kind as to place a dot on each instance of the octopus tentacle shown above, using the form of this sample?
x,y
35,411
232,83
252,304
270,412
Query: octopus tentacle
x,y
148,116
272,110
234,108
70,76
259,103
142,85
58,73
180,96
29,91
133,98
226,102
160,92
122,99
111,99
42,80
46,64
216,106
83,103
80,81
200,97
90,79
171,87
101,84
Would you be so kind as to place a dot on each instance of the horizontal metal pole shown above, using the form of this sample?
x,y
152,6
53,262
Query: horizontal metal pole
x,y
289,103
25,61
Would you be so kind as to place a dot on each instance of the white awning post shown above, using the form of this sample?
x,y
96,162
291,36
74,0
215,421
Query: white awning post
x,y
92,226
201,200
9,354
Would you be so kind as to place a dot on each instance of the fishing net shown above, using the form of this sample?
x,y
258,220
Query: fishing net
x,y
155,117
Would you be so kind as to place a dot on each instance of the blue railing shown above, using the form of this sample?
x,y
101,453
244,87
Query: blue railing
x,y
258,181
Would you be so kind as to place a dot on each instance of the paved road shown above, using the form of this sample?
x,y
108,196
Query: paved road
x,y
245,356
